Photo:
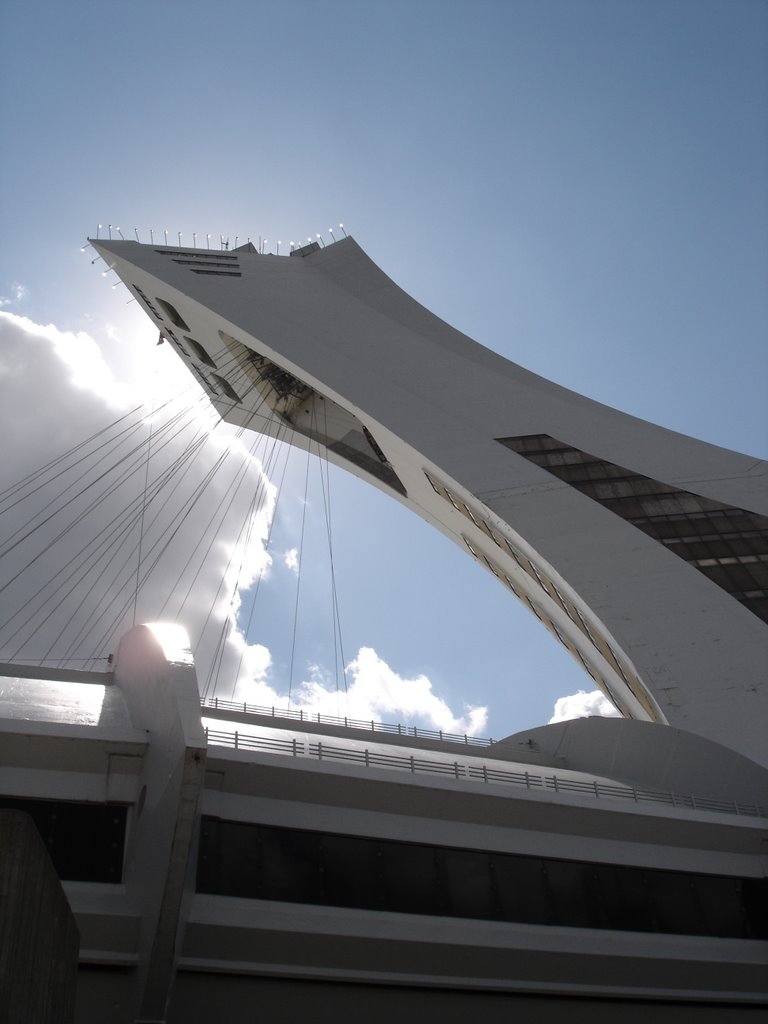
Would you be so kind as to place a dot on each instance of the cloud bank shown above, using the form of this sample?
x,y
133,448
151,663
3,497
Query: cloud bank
x,y
583,705
375,692
197,556
165,482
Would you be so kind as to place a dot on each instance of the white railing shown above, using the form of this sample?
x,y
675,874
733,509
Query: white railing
x,y
348,723
473,772
220,242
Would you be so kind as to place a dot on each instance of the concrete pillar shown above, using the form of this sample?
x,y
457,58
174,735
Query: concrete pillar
x,y
39,940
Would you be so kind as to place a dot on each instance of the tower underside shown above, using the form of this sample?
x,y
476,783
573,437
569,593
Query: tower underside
x,y
643,551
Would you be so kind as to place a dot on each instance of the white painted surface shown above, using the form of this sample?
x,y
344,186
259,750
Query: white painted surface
x,y
436,400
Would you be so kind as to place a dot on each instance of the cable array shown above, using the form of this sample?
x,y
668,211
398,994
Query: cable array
x,y
122,527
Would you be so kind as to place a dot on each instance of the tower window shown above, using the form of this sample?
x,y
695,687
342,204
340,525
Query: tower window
x,y
173,315
226,387
199,351
728,545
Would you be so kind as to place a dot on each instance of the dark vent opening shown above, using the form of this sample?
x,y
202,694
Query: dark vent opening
x,y
217,273
173,315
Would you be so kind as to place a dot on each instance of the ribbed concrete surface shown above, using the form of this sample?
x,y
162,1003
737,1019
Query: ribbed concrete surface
x,y
39,941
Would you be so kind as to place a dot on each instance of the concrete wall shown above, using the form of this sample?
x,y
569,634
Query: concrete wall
x,y
38,936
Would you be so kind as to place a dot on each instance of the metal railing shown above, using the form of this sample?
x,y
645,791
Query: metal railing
x,y
474,772
368,725
111,231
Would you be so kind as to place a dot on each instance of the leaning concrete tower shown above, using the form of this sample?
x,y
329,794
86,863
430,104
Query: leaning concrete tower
x,y
643,551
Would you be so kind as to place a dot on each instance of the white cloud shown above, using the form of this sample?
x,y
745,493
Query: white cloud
x,y
77,351
204,534
20,292
57,388
583,705
376,692
252,663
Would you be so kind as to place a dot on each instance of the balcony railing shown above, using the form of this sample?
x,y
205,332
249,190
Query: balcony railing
x,y
368,725
473,772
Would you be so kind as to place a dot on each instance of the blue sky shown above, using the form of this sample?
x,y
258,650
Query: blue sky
x,y
578,184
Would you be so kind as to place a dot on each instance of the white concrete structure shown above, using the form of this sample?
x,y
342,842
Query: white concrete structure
x,y
223,863
645,552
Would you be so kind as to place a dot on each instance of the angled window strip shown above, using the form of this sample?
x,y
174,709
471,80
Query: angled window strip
x,y
728,545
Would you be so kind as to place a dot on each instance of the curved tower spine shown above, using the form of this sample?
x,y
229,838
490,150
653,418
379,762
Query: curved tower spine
x,y
643,551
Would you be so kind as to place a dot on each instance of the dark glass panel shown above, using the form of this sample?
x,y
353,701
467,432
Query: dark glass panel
x,y
85,840
721,906
522,892
352,875
569,891
229,861
409,878
676,903
692,527
623,899
754,899
290,865
257,861
466,878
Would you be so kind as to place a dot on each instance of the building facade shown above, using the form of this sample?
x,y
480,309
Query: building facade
x,y
226,862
